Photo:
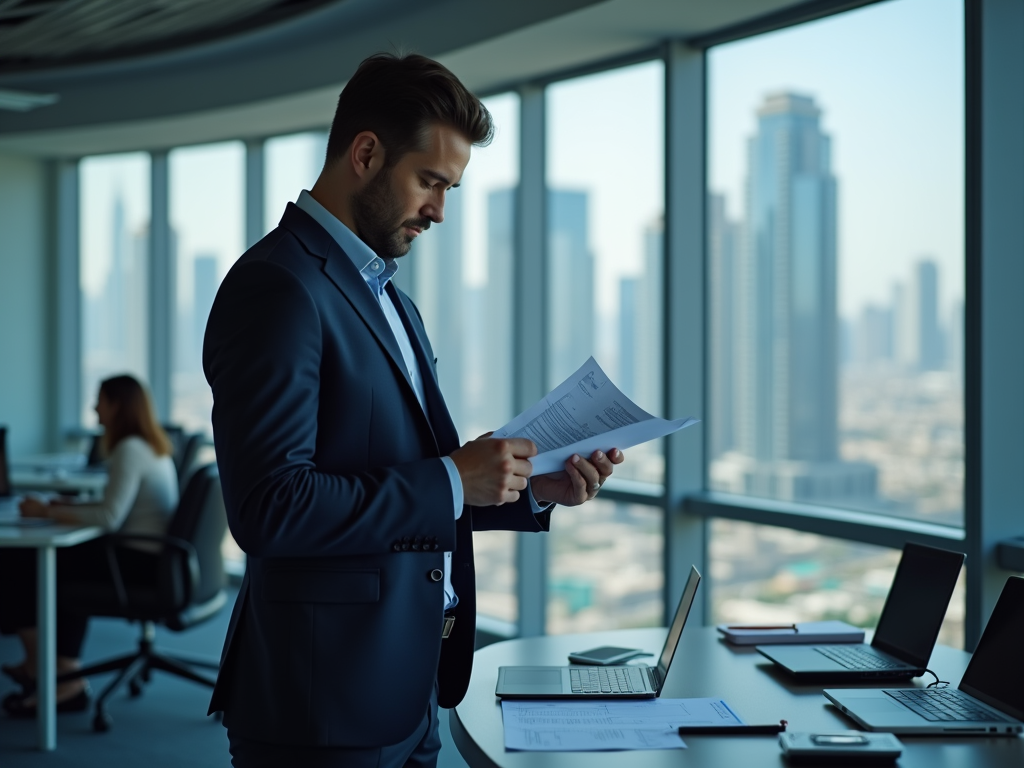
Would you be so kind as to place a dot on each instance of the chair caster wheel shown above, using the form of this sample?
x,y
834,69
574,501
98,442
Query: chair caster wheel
x,y
102,722
134,689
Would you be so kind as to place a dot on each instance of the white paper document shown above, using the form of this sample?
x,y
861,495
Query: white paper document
x,y
587,726
583,414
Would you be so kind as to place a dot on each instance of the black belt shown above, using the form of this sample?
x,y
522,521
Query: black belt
x,y
449,622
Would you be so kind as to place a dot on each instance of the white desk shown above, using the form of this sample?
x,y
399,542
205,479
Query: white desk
x,y
45,540
88,485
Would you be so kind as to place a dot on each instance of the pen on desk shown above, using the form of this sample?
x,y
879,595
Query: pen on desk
x,y
793,627
725,730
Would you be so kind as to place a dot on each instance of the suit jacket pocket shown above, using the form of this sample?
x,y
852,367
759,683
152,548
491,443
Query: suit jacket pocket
x,y
319,585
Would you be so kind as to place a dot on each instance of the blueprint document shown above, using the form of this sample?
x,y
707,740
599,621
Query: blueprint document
x,y
583,414
586,726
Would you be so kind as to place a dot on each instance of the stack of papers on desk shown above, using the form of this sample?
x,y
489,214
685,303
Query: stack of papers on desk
x,y
801,632
588,726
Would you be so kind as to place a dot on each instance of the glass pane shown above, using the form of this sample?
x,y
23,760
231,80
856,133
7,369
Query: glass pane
x,y
836,262
207,236
459,274
606,193
606,568
114,215
762,574
291,164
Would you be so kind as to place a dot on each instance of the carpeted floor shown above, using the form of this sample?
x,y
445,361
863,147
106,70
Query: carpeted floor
x,y
167,726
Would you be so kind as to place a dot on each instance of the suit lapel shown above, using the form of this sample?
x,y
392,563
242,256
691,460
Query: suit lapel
x,y
441,421
343,273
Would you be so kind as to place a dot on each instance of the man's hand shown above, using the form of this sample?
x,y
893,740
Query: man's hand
x,y
494,471
579,482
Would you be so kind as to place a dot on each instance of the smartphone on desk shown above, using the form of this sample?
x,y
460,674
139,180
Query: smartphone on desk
x,y
606,655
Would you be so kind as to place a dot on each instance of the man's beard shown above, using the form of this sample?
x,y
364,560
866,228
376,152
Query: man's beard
x,y
375,211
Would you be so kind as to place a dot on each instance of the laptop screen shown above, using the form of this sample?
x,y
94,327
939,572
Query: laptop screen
x,y
917,602
5,477
676,630
996,672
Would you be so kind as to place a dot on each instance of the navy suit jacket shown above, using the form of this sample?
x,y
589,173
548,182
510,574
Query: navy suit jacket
x,y
335,491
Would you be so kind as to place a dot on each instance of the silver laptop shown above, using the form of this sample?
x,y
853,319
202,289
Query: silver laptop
x,y
906,633
989,700
591,682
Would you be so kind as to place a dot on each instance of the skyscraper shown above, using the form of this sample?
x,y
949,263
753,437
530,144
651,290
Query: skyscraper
x,y
785,325
925,334
204,290
723,237
437,286
570,283
786,335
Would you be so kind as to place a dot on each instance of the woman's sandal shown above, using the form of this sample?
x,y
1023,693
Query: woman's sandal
x,y
15,707
19,674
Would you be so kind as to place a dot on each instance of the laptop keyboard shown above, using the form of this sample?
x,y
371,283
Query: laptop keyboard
x,y
943,704
606,680
858,658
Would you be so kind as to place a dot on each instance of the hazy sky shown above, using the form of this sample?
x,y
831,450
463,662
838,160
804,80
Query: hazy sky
x,y
889,80
888,77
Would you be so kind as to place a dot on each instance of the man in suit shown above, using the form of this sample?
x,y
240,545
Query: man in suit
x,y
343,476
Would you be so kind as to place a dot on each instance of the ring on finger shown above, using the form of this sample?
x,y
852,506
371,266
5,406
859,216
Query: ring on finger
x,y
595,487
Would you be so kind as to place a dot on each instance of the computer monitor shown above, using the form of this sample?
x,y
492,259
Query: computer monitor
x,y
5,475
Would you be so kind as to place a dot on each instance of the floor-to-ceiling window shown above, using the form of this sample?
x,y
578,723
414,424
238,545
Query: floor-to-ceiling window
x,y
835,252
207,229
114,214
605,159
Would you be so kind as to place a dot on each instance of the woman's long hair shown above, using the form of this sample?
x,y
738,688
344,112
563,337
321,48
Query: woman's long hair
x,y
132,416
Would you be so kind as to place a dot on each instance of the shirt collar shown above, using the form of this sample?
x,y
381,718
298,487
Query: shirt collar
x,y
370,265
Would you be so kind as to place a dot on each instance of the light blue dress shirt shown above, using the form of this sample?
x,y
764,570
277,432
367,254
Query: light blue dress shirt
x,y
377,272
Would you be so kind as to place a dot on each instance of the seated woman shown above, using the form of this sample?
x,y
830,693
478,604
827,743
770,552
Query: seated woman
x,y
140,497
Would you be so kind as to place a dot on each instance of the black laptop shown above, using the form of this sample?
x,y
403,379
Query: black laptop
x,y
989,700
906,633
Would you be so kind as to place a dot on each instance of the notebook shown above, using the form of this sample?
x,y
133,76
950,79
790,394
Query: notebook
x,y
907,629
631,681
989,699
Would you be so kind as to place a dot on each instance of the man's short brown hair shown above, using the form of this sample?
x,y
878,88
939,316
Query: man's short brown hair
x,y
397,98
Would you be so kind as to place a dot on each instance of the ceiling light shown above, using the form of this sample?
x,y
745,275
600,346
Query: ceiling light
x,y
23,101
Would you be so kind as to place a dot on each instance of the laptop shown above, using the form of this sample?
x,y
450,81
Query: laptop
x,y
906,633
590,682
989,699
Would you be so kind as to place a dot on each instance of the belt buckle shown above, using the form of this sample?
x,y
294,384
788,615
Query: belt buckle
x,y
449,622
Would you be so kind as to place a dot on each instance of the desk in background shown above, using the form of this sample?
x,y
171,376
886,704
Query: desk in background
x,y
58,473
704,666
45,540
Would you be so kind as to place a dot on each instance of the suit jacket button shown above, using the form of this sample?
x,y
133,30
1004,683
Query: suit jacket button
x,y
416,547
397,547
435,547
405,547
436,575
406,539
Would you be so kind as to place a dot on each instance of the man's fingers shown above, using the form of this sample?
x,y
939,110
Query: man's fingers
x,y
522,468
589,472
521,448
616,456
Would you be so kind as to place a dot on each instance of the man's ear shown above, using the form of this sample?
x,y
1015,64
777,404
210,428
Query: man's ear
x,y
366,154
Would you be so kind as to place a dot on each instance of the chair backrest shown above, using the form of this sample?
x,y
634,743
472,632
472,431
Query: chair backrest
x,y
201,521
188,457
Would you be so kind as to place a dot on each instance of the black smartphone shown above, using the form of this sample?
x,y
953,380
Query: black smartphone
x,y
605,655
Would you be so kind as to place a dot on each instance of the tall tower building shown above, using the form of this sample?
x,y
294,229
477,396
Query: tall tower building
x,y
784,320
571,284
204,290
925,333
786,314
723,237
437,286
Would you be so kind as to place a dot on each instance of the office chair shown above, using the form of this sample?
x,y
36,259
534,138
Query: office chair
x,y
190,590
189,454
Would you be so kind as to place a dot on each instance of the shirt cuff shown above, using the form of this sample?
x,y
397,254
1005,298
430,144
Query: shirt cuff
x,y
456,480
534,506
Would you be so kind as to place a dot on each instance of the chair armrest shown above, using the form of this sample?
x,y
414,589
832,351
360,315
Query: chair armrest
x,y
167,542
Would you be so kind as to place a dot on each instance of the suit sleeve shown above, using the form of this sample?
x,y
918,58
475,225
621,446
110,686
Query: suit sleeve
x,y
518,516
261,356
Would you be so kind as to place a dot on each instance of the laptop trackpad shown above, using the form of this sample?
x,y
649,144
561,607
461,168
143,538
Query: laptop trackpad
x,y
532,681
874,705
